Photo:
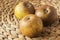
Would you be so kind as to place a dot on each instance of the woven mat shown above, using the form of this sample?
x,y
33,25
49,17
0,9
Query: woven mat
x,y
9,29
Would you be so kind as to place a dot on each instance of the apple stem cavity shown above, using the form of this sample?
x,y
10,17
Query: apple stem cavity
x,y
28,18
27,4
45,10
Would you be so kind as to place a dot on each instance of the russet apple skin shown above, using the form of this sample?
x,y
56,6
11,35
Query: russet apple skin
x,y
47,13
31,26
22,9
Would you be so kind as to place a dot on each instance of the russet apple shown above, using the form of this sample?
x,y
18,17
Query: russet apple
x,y
22,9
31,25
47,14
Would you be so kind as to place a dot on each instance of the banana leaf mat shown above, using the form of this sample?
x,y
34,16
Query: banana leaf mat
x,y
9,28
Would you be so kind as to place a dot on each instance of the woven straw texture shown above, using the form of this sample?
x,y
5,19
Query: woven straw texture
x,y
9,28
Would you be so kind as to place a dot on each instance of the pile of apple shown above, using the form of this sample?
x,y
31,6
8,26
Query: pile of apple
x,y
32,21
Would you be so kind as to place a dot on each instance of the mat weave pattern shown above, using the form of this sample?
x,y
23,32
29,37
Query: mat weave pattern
x,y
9,28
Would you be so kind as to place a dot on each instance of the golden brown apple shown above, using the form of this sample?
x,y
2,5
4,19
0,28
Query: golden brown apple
x,y
47,14
22,9
31,26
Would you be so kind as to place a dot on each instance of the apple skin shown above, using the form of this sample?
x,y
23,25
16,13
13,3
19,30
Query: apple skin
x,y
47,13
31,26
22,9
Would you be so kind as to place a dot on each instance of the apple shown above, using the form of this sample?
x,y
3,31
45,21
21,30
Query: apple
x,y
47,13
22,9
31,25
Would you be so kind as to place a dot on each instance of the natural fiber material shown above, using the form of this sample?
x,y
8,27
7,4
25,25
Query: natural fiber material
x,y
9,28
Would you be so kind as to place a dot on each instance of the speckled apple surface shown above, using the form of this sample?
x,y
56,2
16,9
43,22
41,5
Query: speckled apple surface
x,y
9,28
